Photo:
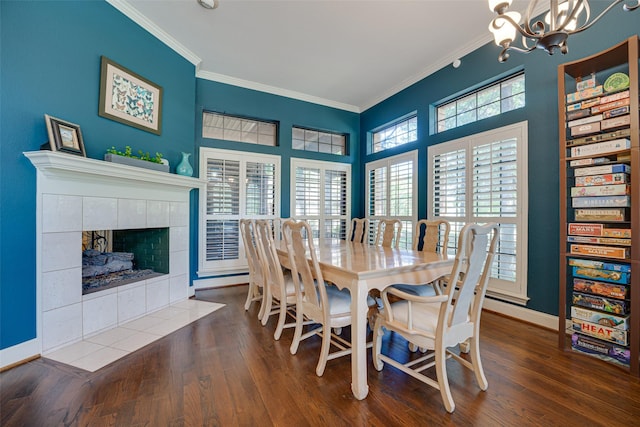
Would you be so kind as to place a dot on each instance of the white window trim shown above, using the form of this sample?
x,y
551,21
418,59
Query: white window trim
x,y
500,289
215,268
323,166
411,156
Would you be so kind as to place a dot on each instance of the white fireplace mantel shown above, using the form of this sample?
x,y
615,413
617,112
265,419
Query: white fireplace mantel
x,y
55,163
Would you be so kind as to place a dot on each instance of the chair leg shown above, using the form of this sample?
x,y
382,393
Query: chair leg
x,y
263,301
267,301
477,363
297,333
251,294
443,380
282,316
324,350
377,344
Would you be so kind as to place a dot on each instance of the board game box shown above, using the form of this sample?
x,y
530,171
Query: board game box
x,y
606,319
599,251
611,214
600,201
602,332
619,277
603,265
599,240
609,290
595,302
600,190
599,170
601,349
600,147
603,179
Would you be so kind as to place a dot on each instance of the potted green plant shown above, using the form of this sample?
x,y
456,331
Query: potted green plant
x,y
142,160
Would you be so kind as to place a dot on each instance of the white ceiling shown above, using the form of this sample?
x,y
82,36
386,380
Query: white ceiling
x,y
348,54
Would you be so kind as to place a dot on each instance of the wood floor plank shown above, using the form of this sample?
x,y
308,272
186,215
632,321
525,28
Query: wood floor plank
x,y
226,369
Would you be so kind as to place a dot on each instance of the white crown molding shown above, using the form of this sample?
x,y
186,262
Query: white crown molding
x,y
221,78
132,13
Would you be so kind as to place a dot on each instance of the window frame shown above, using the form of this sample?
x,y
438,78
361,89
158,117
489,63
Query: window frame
x,y
515,292
406,239
371,146
345,140
323,166
475,93
256,121
211,268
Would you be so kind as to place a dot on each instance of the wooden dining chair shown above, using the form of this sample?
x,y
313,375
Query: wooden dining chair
x,y
359,231
256,277
388,233
320,303
429,236
279,290
441,322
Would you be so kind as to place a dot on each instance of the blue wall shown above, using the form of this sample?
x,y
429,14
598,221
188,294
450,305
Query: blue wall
x,y
50,63
541,111
50,58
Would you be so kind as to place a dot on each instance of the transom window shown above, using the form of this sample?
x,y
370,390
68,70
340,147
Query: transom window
x,y
483,178
497,98
399,133
239,129
319,195
318,141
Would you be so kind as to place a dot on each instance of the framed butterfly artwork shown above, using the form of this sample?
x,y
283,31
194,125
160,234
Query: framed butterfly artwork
x,y
129,98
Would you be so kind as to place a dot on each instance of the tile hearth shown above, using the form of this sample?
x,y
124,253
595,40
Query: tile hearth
x,y
97,351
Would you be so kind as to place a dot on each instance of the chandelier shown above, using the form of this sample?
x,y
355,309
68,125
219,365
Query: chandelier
x,y
563,19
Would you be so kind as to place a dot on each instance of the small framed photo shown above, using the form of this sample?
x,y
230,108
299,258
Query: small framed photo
x,y
129,98
64,136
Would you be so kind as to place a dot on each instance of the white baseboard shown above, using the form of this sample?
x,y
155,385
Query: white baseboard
x,y
19,352
217,282
537,318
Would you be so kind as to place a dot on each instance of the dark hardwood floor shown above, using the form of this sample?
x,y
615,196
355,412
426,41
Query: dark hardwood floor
x,y
226,370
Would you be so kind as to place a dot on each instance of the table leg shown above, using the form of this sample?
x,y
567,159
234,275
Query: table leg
x,y
359,310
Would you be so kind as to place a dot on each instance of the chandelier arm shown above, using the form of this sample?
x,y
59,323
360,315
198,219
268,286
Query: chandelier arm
x,y
574,12
504,55
628,8
527,19
597,18
524,33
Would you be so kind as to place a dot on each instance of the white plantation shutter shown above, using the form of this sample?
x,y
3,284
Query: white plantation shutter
x,y
335,206
391,186
482,178
236,188
449,191
319,196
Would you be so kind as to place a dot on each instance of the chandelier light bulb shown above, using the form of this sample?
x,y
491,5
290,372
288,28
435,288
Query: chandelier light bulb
x,y
504,31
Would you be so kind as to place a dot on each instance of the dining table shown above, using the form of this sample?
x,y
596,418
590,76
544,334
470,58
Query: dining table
x,y
361,267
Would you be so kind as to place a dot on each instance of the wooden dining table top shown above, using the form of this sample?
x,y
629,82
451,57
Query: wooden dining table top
x,y
374,264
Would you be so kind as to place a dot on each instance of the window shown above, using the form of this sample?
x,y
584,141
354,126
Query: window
x,y
497,98
319,195
483,178
399,133
239,185
390,188
318,141
230,128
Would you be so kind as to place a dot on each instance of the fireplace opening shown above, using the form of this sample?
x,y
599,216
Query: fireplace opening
x,y
113,258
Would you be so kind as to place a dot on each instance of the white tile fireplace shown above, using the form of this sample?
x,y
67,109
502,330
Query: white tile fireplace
x,y
77,194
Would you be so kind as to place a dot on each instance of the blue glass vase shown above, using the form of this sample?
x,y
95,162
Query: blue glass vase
x,y
184,168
